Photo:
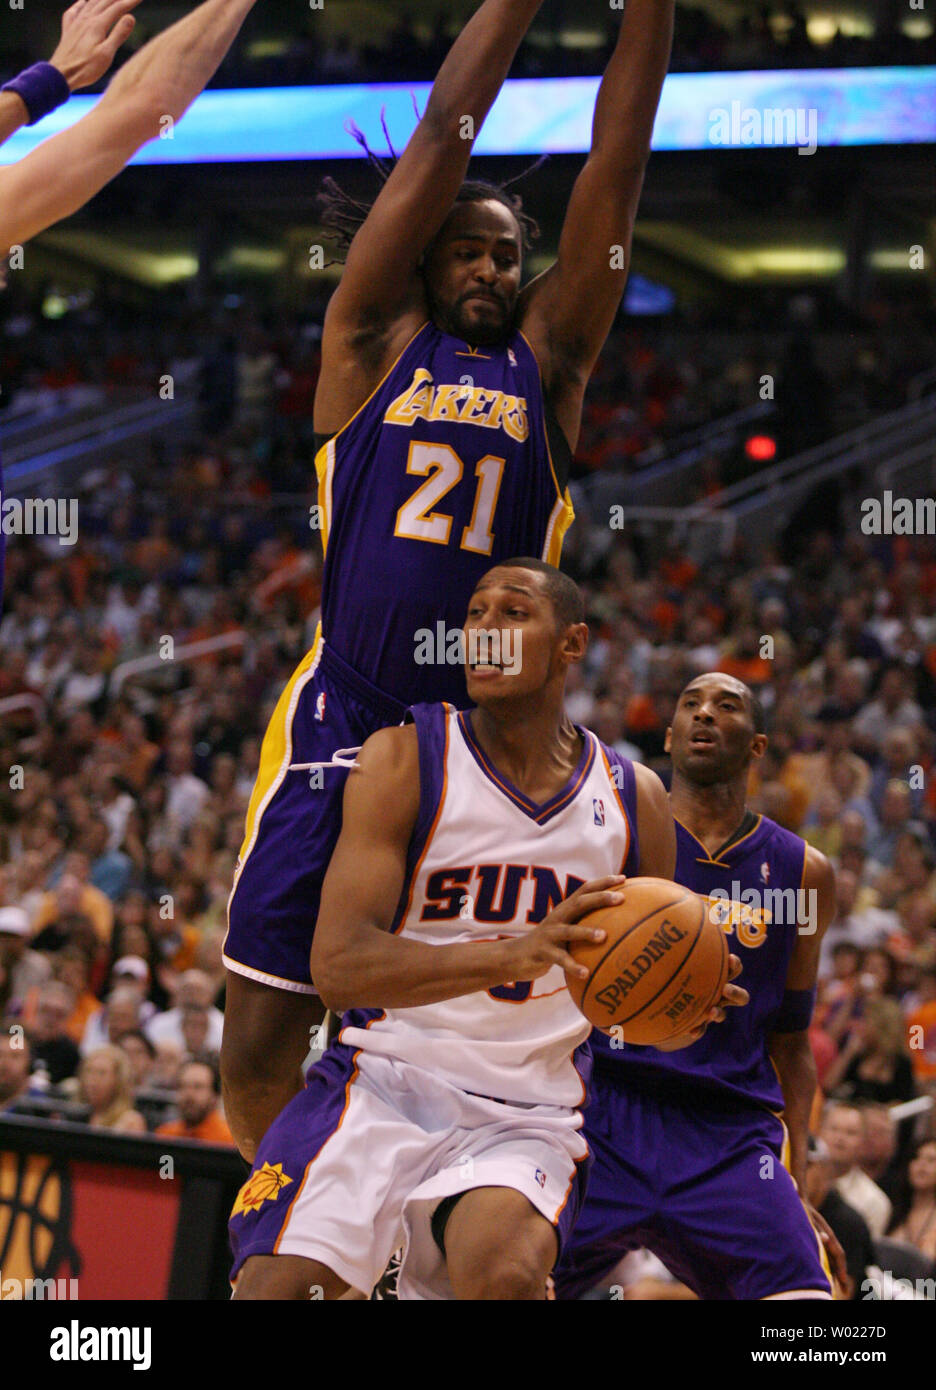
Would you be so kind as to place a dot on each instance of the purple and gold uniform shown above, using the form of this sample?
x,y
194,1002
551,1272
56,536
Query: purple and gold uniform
x,y
453,463
690,1147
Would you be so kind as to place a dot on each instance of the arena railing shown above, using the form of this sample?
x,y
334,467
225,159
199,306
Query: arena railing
x,y
189,651
765,503
94,439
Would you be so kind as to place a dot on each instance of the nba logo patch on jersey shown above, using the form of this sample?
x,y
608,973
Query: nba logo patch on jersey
x,y
511,357
598,804
540,1177
765,872
320,707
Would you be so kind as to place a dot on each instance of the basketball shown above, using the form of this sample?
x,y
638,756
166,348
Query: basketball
x,y
662,965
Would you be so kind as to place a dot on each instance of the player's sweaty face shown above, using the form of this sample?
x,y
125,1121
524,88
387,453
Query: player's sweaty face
x,y
510,636
473,272
711,734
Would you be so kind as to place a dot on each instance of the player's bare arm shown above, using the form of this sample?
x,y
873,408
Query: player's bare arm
x,y
381,301
159,82
92,32
656,830
790,1051
568,311
356,962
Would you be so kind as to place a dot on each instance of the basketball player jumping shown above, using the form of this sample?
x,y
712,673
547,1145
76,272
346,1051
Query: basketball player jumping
x,y
445,1115
157,85
448,407
692,1157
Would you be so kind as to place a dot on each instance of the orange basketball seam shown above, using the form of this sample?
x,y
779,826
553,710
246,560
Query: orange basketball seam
x,y
598,964
682,964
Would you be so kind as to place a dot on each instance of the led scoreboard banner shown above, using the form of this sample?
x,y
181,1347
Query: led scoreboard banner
x,y
699,111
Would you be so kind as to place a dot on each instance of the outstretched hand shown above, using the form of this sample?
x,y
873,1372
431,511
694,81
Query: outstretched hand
x,y
92,32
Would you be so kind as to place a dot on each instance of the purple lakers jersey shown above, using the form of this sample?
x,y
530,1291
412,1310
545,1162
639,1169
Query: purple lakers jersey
x,y
755,888
446,469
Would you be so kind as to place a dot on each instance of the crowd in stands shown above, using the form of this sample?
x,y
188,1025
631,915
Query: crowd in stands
x,y
123,812
761,36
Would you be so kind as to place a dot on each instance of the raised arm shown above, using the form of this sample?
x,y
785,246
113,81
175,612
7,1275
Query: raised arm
x,y
92,32
568,311
160,81
380,278
355,962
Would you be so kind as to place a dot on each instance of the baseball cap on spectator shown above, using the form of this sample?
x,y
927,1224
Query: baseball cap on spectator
x,y
134,966
14,922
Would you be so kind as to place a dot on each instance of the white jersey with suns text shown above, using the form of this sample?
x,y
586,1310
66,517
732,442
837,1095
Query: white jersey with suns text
x,y
485,862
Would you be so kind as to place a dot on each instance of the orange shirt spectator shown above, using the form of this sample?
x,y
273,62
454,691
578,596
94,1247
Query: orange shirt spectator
x,y
197,1099
212,1130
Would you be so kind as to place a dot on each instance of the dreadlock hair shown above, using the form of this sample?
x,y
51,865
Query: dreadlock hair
x,y
344,215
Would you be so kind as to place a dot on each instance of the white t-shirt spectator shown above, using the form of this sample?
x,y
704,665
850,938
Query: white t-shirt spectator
x,y
167,1027
863,1193
186,796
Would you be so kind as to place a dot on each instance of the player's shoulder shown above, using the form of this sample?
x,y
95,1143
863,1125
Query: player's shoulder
x,y
397,747
390,750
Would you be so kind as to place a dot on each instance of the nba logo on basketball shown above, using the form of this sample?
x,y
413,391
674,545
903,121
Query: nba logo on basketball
x,y
599,811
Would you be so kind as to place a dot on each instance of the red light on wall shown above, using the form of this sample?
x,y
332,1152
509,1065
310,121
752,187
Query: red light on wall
x,y
761,448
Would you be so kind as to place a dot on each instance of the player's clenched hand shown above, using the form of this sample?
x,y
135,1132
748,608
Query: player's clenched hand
x,y
530,957
733,997
92,32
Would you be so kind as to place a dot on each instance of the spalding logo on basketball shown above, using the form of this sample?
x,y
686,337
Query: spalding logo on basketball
x,y
662,966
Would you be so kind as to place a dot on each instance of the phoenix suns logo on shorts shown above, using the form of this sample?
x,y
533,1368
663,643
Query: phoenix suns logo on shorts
x,y
265,1185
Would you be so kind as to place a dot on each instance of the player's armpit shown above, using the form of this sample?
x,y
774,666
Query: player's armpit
x,y
656,830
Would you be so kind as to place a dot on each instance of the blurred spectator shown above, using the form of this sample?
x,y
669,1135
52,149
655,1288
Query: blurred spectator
x,y
75,895
847,1223
892,709
874,1065
879,1151
105,1086
194,993
921,1029
121,1014
914,1216
48,1034
15,1067
141,1054
198,1099
843,1134
850,927
25,968
167,1064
